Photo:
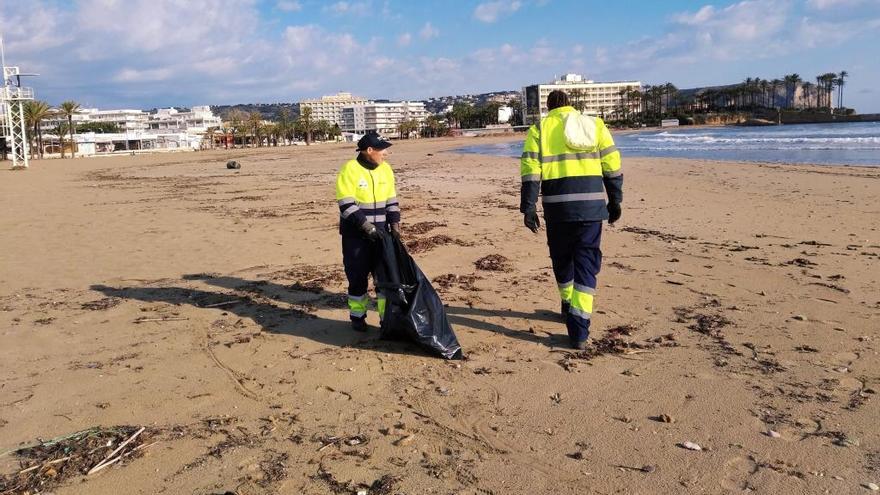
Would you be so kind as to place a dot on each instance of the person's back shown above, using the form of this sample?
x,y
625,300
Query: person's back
x,y
574,171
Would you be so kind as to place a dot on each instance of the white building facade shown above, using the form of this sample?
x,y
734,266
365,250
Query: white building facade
x,y
382,117
595,98
197,121
330,107
166,130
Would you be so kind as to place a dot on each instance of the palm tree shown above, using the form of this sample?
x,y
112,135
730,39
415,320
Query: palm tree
x,y
209,135
35,112
68,109
826,82
808,88
235,117
841,80
765,88
60,130
791,83
306,124
254,119
284,123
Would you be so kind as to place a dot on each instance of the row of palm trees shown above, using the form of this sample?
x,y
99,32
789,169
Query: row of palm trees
x,y
251,129
791,92
36,111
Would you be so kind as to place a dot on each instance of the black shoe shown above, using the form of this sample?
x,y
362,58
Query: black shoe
x,y
563,311
359,324
583,345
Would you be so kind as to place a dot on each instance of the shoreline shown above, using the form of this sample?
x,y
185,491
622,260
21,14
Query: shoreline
x,y
208,305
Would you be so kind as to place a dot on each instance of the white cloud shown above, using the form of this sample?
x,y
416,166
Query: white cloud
x,y
154,55
289,5
353,8
748,20
696,18
145,75
833,4
489,12
813,33
428,31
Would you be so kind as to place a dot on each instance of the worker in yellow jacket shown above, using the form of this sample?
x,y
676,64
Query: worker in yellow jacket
x,y
368,204
571,160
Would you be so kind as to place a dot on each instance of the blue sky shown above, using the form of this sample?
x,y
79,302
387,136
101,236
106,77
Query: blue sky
x,y
149,53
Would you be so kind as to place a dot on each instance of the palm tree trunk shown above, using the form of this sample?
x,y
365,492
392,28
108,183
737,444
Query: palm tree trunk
x,y
72,141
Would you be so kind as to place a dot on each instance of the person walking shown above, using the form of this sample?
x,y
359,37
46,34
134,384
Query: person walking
x,y
572,161
367,198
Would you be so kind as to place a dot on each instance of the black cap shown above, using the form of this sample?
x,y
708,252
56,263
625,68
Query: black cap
x,y
372,140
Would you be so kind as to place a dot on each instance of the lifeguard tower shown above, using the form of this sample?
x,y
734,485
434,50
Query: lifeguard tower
x,y
12,126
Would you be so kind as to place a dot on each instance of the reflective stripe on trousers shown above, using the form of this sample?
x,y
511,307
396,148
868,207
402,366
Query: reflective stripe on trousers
x,y
577,258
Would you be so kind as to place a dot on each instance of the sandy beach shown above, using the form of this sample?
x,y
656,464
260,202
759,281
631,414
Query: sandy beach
x,y
737,309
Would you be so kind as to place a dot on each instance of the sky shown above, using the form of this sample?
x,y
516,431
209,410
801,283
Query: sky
x,y
159,53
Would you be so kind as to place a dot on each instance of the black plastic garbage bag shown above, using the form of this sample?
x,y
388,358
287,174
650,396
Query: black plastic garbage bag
x,y
413,309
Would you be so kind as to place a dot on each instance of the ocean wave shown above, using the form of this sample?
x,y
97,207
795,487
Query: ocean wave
x,y
685,139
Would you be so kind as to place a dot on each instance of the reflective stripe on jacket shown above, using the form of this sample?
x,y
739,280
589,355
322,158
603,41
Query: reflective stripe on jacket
x,y
573,183
366,195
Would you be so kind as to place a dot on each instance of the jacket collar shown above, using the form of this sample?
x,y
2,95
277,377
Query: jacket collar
x,y
367,164
560,110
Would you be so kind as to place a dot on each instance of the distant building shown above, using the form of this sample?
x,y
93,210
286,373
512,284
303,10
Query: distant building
x,y
167,129
383,118
595,98
125,119
330,107
196,121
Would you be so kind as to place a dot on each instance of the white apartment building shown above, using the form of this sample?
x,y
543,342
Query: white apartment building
x,y
196,121
382,117
127,120
166,130
597,98
330,107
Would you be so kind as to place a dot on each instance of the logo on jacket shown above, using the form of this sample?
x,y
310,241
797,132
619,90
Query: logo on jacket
x,y
363,184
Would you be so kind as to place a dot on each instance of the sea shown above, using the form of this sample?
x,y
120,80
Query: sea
x,y
851,143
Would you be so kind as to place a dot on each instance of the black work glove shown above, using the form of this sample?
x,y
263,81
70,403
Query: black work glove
x,y
370,231
531,220
395,231
613,212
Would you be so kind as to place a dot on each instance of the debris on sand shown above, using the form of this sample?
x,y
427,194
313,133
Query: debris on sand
x,y
50,463
706,324
101,304
626,330
429,243
611,344
450,281
423,227
274,468
382,486
493,263
801,262
233,165
656,233
690,446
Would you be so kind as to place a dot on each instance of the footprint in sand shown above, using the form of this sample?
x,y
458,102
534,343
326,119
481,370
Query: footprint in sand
x,y
844,358
737,472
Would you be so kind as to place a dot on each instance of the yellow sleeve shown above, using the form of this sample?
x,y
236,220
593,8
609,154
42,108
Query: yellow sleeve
x,y
530,161
345,184
608,152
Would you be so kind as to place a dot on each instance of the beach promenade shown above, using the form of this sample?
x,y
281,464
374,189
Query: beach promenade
x,y
737,309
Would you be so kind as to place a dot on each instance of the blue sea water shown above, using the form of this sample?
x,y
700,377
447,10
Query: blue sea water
x,y
856,143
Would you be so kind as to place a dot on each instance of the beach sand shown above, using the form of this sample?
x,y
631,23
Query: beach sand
x,y
208,305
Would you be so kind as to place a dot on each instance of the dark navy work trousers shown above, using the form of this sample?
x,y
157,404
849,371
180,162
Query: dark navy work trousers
x,y
577,258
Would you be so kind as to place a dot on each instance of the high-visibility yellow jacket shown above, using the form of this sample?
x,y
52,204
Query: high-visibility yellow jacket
x,y
366,193
573,183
